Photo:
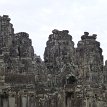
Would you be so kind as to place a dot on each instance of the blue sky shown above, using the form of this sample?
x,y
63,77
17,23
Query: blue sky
x,y
40,17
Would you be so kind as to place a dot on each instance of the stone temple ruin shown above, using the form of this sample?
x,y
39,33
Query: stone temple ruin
x,y
68,76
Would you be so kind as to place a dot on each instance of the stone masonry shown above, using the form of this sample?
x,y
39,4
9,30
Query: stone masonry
x,y
68,77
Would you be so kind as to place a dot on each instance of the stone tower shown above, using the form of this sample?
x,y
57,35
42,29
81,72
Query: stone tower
x,y
6,32
89,59
16,55
6,37
59,55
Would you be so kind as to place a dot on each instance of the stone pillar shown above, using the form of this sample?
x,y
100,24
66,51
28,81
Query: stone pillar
x,y
87,102
24,101
69,102
11,101
31,101
5,102
27,101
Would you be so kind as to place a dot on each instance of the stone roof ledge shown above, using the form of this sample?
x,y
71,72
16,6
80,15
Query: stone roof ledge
x,y
86,36
55,31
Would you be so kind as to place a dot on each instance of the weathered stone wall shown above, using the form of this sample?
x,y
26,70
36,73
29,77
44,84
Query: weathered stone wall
x,y
68,76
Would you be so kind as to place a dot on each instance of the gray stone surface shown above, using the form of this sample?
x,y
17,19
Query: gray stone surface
x,y
68,76
89,59
59,56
